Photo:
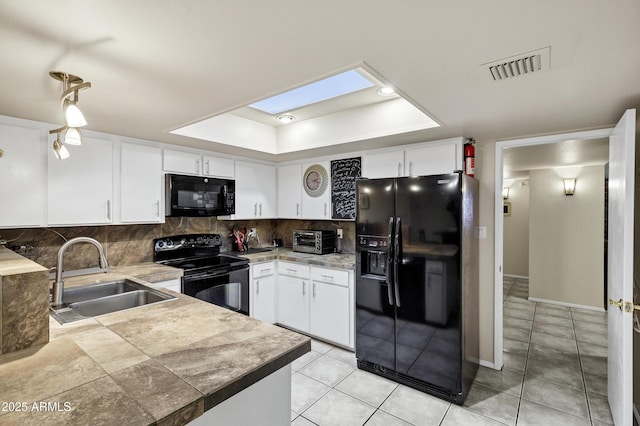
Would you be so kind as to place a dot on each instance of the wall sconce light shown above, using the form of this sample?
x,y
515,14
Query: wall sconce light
x,y
71,85
505,193
569,186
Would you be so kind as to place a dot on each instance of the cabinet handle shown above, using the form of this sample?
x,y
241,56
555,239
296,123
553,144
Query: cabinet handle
x,y
399,168
158,208
255,209
207,164
325,209
257,287
297,209
265,270
304,288
260,210
410,168
197,166
314,290
108,209
329,277
292,270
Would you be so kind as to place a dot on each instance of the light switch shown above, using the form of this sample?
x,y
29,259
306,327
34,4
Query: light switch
x,y
482,232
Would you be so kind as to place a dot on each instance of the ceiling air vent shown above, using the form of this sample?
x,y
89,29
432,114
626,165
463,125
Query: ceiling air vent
x,y
519,65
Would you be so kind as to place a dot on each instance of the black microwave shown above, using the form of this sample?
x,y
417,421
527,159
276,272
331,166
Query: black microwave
x,y
199,196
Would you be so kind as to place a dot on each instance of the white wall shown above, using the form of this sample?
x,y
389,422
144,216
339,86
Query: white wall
x,y
566,252
516,231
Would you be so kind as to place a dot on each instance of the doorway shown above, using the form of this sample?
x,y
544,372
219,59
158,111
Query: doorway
x,y
527,143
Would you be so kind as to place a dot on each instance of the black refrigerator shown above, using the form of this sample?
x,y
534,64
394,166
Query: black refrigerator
x,y
417,281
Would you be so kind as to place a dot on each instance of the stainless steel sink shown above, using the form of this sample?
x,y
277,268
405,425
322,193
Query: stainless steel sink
x,y
94,291
103,298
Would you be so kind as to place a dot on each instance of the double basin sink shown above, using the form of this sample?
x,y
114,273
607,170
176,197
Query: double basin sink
x,y
102,298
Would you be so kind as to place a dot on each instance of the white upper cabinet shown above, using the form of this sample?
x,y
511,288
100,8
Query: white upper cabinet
x,y
432,158
192,163
255,191
22,177
383,164
290,191
316,190
218,166
81,186
182,162
140,184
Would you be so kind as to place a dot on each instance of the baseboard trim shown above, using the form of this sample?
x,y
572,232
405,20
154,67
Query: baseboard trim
x,y
570,305
515,276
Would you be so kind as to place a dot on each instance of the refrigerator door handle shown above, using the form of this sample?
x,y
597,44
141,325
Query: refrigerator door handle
x,y
396,260
389,267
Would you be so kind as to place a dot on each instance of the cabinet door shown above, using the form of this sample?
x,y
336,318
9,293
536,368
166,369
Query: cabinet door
x,y
218,166
255,190
140,184
383,164
264,299
329,312
317,207
22,177
432,160
293,302
290,191
81,187
181,162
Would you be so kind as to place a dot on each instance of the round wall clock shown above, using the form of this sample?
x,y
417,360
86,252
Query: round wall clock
x,y
315,180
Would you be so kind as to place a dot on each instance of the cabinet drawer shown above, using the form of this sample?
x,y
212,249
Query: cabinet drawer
x,y
333,276
262,269
293,269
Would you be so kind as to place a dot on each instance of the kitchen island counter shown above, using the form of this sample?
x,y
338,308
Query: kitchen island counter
x,y
164,363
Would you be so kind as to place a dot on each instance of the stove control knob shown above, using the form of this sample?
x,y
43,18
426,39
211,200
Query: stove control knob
x,y
169,243
160,244
217,239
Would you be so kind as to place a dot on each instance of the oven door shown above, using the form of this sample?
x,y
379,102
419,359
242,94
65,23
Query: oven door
x,y
228,288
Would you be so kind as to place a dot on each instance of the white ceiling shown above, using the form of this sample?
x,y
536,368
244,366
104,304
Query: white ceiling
x,y
517,162
157,65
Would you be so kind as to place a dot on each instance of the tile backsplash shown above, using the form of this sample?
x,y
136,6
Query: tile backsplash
x,y
132,244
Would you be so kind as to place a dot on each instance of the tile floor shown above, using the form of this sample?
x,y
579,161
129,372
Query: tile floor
x,y
555,367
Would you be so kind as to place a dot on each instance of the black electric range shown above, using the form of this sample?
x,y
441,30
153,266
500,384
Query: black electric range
x,y
209,275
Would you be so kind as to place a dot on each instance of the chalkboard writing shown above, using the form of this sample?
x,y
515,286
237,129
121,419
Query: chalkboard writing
x,y
343,187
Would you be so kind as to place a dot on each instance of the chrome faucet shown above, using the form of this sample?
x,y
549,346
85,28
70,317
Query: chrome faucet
x,y
58,284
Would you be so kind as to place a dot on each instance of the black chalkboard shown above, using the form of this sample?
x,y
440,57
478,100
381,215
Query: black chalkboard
x,y
343,187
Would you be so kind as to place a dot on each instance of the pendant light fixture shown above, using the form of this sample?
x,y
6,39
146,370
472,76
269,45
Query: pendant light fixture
x,y
71,85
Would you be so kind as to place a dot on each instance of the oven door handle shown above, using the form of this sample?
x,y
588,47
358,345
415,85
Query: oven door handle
x,y
209,274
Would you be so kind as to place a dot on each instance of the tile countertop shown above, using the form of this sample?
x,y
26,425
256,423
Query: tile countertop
x,y
164,363
333,260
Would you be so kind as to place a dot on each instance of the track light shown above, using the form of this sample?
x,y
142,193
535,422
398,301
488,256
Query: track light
x,y
60,150
71,85
73,115
72,136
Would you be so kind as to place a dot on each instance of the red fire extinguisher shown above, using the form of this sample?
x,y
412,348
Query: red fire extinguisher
x,y
469,159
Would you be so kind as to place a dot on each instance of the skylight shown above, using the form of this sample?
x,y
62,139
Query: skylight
x,y
337,85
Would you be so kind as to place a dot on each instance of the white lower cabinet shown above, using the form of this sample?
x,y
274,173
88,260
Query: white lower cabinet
x,y
174,284
293,302
330,307
317,301
263,292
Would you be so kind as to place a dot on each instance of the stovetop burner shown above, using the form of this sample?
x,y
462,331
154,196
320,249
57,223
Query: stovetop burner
x,y
194,252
